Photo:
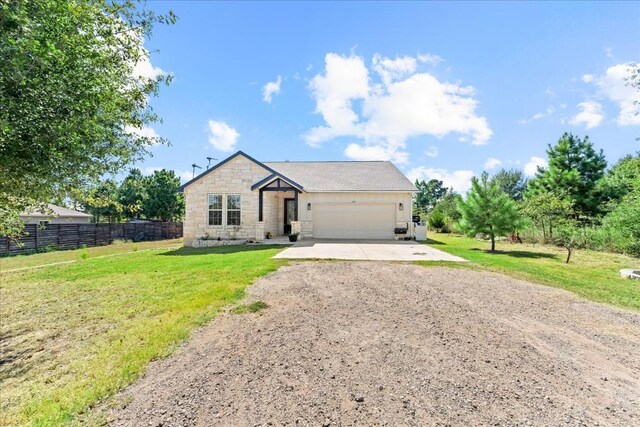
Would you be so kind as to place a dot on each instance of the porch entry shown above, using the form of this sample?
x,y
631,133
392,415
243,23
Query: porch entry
x,y
289,214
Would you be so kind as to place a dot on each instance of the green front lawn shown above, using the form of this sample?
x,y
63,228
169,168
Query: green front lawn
x,y
592,275
73,334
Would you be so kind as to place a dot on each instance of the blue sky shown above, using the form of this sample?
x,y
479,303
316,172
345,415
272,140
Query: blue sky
x,y
445,90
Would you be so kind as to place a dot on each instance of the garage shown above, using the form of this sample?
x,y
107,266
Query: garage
x,y
354,220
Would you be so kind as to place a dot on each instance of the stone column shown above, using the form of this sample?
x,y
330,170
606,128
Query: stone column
x,y
259,231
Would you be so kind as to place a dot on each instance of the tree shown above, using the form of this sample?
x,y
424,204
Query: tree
x,y
103,202
625,220
132,194
620,180
574,169
70,96
513,182
445,213
546,210
488,210
163,201
429,192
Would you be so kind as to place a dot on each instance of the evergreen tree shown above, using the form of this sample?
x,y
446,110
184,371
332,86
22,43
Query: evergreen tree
x,y
574,170
488,210
512,182
163,201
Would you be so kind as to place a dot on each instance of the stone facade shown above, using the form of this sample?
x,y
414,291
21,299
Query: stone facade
x,y
234,177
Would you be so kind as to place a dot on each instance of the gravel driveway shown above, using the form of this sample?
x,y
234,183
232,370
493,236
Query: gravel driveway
x,y
373,343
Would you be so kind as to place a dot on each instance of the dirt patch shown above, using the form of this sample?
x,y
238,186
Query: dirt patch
x,y
347,343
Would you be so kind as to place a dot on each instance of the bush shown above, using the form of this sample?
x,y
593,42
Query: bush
x,y
436,221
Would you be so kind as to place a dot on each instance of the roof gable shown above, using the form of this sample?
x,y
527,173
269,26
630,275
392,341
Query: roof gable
x,y
223,162
273,177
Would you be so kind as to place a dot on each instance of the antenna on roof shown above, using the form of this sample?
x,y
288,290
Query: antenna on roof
x,y
210,158
194,166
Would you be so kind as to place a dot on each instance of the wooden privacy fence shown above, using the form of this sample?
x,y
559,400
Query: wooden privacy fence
x,y
71,236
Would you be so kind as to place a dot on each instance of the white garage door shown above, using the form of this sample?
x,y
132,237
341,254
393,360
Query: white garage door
x,y
354,220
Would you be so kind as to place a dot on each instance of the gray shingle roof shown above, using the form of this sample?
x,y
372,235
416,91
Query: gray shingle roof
x,y
58,211
344,176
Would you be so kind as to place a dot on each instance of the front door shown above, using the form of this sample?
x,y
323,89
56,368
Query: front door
x,y
289,214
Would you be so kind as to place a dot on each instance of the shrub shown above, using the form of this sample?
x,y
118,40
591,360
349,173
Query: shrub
x,y
436,221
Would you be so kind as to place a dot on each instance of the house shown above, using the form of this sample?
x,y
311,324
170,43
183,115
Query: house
x,y
57,215
242,198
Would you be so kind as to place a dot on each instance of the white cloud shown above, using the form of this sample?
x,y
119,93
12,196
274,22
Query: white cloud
x,y
144,67
145,132
432,151
222,136
587,78
459,180
428,58
492,163
399,104
613,85
270,89
591,114
608,52
531,167
537,116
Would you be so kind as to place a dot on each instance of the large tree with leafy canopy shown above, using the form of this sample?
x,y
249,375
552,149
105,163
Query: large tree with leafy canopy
x,y
429,193
163,201
132,193
102,202
488,210
70,96
574,170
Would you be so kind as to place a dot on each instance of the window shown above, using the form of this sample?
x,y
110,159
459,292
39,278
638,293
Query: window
x,y
233,209
215,209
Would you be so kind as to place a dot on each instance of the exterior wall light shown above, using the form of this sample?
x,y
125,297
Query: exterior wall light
x,y
308,206
401,206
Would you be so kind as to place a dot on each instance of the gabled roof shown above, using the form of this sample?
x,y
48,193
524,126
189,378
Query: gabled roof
x,y
228,159
328,176
58,211
273,177
345,176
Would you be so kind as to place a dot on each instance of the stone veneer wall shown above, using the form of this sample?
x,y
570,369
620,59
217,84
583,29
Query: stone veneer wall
x,y
234,177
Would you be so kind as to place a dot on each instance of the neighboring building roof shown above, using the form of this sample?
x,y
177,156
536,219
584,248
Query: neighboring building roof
x,y
58,211
330,176
345,176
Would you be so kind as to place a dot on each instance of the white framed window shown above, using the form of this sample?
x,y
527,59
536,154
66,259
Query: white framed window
x,y
233,209
215,209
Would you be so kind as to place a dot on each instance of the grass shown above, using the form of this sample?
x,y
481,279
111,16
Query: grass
x,y
74,334
33,260
592,275
253,307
